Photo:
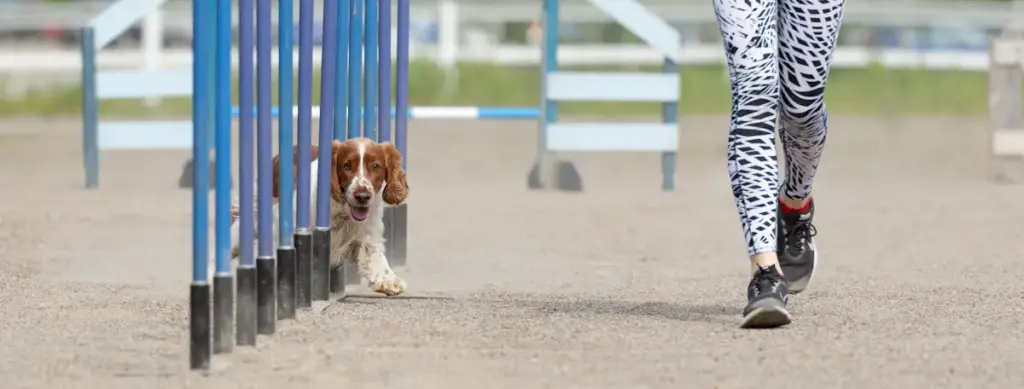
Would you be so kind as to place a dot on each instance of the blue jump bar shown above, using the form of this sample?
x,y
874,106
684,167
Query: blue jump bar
x,y
447,112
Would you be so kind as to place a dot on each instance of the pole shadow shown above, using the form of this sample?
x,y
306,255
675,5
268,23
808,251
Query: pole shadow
x,y
689,312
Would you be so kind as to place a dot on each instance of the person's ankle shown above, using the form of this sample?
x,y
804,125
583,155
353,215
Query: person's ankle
x,y
766,259
794,205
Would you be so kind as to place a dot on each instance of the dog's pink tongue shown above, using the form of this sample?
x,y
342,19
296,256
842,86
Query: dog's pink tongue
x,y
360,213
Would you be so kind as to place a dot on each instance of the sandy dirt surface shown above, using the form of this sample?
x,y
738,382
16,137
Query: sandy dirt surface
x,y
622,286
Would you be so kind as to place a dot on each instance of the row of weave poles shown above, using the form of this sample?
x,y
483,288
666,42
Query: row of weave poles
x,y
356,36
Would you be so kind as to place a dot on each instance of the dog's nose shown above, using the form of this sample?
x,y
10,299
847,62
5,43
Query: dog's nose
x,y
362,197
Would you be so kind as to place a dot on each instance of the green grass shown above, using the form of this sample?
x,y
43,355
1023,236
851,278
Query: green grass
x,y
869,91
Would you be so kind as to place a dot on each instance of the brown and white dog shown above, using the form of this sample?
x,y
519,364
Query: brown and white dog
x,y
365,177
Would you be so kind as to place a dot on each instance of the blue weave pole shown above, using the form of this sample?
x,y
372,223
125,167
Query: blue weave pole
x,y
402,78
320,283
384,72
245,321
246,134
329,70
355,55
222,139
199,291
286,254
341,78
223,279
304,112
266,300
369,111
285,120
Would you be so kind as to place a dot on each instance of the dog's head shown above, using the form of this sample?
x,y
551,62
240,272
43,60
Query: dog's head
x,y
365,173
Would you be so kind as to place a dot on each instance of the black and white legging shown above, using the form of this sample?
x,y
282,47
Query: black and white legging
x,y
778,52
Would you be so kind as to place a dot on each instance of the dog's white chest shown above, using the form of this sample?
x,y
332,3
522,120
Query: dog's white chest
x,y
348,235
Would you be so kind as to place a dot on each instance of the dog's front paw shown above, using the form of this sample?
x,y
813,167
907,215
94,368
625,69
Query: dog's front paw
x,y
389,285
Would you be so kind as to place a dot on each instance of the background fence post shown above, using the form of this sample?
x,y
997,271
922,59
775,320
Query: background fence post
x,y
90,110
669,114
1006,117
152,46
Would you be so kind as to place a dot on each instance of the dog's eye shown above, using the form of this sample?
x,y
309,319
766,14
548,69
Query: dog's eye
x,y
376,166
348,166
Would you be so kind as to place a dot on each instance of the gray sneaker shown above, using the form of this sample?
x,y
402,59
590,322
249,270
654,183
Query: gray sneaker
x,y
797,254
767,295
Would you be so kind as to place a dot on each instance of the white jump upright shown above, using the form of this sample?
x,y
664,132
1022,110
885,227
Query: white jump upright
x,y
148,83
558,86
1006,109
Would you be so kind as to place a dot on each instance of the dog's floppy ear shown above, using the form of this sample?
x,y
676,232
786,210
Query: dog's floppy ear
x,y
397,189
296,160
276,177
336,154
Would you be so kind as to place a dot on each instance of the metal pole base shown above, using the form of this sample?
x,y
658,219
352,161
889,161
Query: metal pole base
x,y
285,283
245,330
223,313
338,280
303,268
199,326
321,288
266,303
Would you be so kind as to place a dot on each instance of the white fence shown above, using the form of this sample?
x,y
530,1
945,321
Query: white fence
x,y
460,37
876,12
65,61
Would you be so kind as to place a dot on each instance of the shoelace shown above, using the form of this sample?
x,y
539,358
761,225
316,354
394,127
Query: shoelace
x,y
798,235
763,280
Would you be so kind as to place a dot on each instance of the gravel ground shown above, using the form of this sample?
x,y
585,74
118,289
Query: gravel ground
x,y
621,286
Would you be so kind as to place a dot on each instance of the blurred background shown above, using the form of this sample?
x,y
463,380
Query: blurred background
x,y
896,57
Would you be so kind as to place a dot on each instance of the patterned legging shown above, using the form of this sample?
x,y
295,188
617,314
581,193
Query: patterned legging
x,y
778,52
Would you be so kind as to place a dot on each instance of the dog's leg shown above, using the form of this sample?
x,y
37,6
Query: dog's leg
x,y
212,263
275,218
374,267
236,235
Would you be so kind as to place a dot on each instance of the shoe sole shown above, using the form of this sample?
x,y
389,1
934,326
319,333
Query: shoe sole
x,y
797,286
767,317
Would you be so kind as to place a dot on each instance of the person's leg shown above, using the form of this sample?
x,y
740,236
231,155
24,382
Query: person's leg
x,y
749,33
808,30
